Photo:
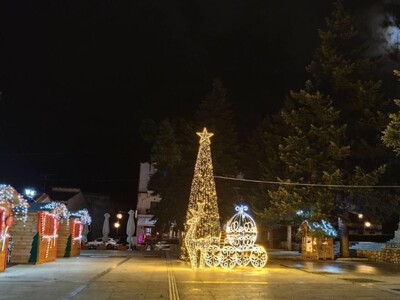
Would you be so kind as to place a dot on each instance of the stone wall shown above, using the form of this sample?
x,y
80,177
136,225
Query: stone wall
x,y
391,255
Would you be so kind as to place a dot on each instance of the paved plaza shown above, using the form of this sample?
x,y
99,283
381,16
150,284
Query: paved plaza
x,y
161,275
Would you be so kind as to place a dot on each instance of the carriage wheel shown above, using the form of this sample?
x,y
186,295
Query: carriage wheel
x,y
243,258
213,256
258,257
228,257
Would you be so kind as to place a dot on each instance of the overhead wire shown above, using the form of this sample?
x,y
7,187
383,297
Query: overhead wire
x,y
307,184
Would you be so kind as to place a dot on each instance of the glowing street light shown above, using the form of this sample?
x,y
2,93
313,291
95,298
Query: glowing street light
x,y
117,225
360,216
119,216
366,225
30,192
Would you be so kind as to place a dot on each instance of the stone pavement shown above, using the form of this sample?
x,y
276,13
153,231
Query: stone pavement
x,y
155,275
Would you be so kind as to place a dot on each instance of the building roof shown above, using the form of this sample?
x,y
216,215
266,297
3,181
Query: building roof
x,y
55,207
63,194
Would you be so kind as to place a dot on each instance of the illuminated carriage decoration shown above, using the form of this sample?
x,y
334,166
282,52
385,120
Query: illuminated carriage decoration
x,y
239,247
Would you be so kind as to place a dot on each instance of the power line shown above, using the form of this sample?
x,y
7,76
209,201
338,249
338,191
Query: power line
x,y
309,184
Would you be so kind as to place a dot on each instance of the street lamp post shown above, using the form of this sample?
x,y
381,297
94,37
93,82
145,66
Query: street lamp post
x,y
116,225
366,225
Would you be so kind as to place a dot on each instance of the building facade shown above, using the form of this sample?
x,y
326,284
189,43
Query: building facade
x,y
146,204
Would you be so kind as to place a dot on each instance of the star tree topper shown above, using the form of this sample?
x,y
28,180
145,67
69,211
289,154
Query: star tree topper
x,y
205,136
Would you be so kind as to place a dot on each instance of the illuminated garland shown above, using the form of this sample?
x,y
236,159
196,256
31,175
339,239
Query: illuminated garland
x,y
320,228
50,212
19,205
57,208
4,231
79,236
83,216
6,194
73,233
76,237
50,238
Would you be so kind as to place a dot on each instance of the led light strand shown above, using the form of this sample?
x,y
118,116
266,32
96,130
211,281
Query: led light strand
x,y
83,215
19,205
202,219
241,234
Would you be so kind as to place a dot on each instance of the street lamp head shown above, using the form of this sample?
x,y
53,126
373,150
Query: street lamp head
x,y
367,224
360,216
119,216
116,225
30,192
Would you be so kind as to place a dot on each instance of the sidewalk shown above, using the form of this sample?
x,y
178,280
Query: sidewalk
x,y
114,275
283,254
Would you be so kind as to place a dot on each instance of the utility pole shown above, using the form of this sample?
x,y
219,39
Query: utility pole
x,y
44,181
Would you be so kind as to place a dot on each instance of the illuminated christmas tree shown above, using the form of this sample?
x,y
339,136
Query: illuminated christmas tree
x,y
202,218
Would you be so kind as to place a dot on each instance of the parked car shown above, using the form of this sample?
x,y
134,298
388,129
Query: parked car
x,y
111,243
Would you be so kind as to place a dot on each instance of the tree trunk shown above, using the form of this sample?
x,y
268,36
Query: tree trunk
x,y
289,237
344,239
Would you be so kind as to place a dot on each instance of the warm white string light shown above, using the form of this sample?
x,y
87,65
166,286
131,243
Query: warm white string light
x,y
202,219
240,248
83,216
49,232
203,231
19,205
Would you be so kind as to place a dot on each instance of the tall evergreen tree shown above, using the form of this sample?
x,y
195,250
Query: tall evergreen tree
x,y
341,70
391,134
355,105
312,153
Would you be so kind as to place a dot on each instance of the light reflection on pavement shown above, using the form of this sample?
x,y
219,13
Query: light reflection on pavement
x,y
344,267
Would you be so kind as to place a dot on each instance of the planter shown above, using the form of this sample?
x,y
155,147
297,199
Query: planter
x,y
101,247
121,247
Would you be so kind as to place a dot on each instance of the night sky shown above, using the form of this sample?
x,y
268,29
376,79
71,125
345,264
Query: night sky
x,y
77,77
